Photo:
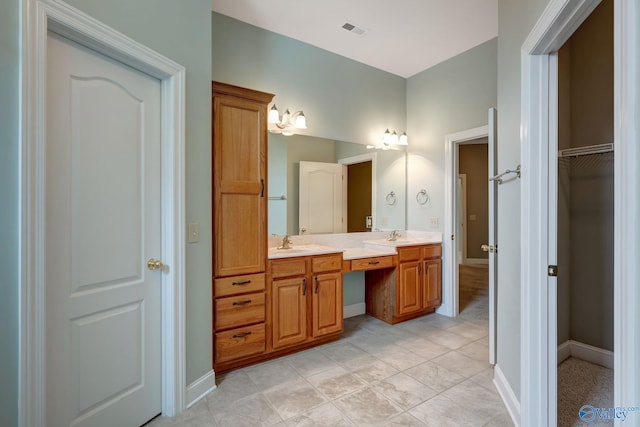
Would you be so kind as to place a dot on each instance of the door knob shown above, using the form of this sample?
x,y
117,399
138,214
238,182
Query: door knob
x,y
489,248
154,264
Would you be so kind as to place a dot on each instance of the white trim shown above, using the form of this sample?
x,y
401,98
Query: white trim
x,y
508,396
37,17
627,204
362,158
538,346
461,242
199,389
354,310
586,352
449,305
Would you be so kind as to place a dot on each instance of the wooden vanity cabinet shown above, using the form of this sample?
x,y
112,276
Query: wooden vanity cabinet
x,y
307,299
413,289
240,298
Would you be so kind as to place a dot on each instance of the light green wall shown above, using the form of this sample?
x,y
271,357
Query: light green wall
x,y
515,21
182,32
9,161
452,96
342,99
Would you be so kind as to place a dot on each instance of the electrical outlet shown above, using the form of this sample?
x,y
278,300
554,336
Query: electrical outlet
x,y
433,222
193,232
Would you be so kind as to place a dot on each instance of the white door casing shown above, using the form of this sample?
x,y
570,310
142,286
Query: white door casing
x,y
321,191
461,219
492,151
103,330
39,17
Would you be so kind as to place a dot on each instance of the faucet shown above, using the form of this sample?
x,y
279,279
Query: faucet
x,y
286,243
393,236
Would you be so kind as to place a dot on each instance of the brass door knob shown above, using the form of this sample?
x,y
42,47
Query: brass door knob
x,y
154,264
489,248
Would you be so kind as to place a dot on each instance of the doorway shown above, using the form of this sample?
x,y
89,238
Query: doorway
x,y
540,160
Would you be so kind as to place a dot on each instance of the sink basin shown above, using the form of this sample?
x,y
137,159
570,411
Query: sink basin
x,y
301,250
402,241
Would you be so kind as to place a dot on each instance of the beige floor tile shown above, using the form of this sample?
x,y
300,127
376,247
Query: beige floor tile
x,y
485,404
336,382
502,420
404,390
294,398
441,411
310,362
231,387
271,374
404,420
375,371
485,379
461,364
358,362
435,376
341,351
325,415
478,349
366,407
252,410
469,330
448,339
399,358
424,348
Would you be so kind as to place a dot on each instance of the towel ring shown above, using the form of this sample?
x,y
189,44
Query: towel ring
x,y
422,197
391,198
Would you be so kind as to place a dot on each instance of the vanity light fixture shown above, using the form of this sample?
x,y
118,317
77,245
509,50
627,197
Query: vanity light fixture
x,y
288,124
389,139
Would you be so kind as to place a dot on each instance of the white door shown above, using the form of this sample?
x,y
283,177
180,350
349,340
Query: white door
x,y
103,306
493,232
322,198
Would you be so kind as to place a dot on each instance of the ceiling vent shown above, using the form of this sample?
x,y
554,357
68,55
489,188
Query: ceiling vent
x,y
354,28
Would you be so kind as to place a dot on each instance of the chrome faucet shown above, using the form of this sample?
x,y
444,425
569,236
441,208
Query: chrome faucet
x,y
286,243
393,236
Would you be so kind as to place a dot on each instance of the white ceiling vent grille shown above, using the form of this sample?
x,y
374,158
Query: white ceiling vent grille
x,y
353,28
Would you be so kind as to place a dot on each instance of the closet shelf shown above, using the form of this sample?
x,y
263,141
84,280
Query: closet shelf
x,y
584,151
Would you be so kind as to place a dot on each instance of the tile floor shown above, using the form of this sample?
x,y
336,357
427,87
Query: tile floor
x,y
431,371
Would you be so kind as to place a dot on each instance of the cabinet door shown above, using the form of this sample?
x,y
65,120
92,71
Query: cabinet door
x,y
289,310
432,290
408,297
327,304
240,147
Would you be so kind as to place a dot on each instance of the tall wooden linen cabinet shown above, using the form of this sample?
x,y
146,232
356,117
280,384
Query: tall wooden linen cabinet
x,y
239,221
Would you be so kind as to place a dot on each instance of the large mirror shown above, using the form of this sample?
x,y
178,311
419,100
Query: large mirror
x,y
375,188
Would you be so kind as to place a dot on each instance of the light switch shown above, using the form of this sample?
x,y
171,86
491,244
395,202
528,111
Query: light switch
x,y
473,217
433,222
194,232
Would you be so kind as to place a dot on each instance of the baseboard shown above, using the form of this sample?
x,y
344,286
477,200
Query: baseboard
x,y
587,353
354,310
200,388
564,351
507,395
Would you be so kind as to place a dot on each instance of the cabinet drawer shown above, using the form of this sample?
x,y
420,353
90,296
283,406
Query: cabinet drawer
x,y
240,342
288,267
239,284
371,263
432,251
321,263
409,254
239,310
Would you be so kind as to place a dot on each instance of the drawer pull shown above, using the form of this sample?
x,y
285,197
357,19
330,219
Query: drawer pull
x,y
374,262
245,282
241,302
304,287
242,335
317,284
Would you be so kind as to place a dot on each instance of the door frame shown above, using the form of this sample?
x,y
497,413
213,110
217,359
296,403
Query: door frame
x,y
450,271
539,114
462,241
37,18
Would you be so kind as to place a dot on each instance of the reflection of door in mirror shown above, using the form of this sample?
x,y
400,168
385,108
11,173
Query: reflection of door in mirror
x,y
359,197
322,198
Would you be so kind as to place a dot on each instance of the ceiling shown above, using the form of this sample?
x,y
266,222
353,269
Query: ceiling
x,y
402,37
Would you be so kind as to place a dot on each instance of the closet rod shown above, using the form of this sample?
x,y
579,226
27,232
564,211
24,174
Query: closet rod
x,y
584,151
